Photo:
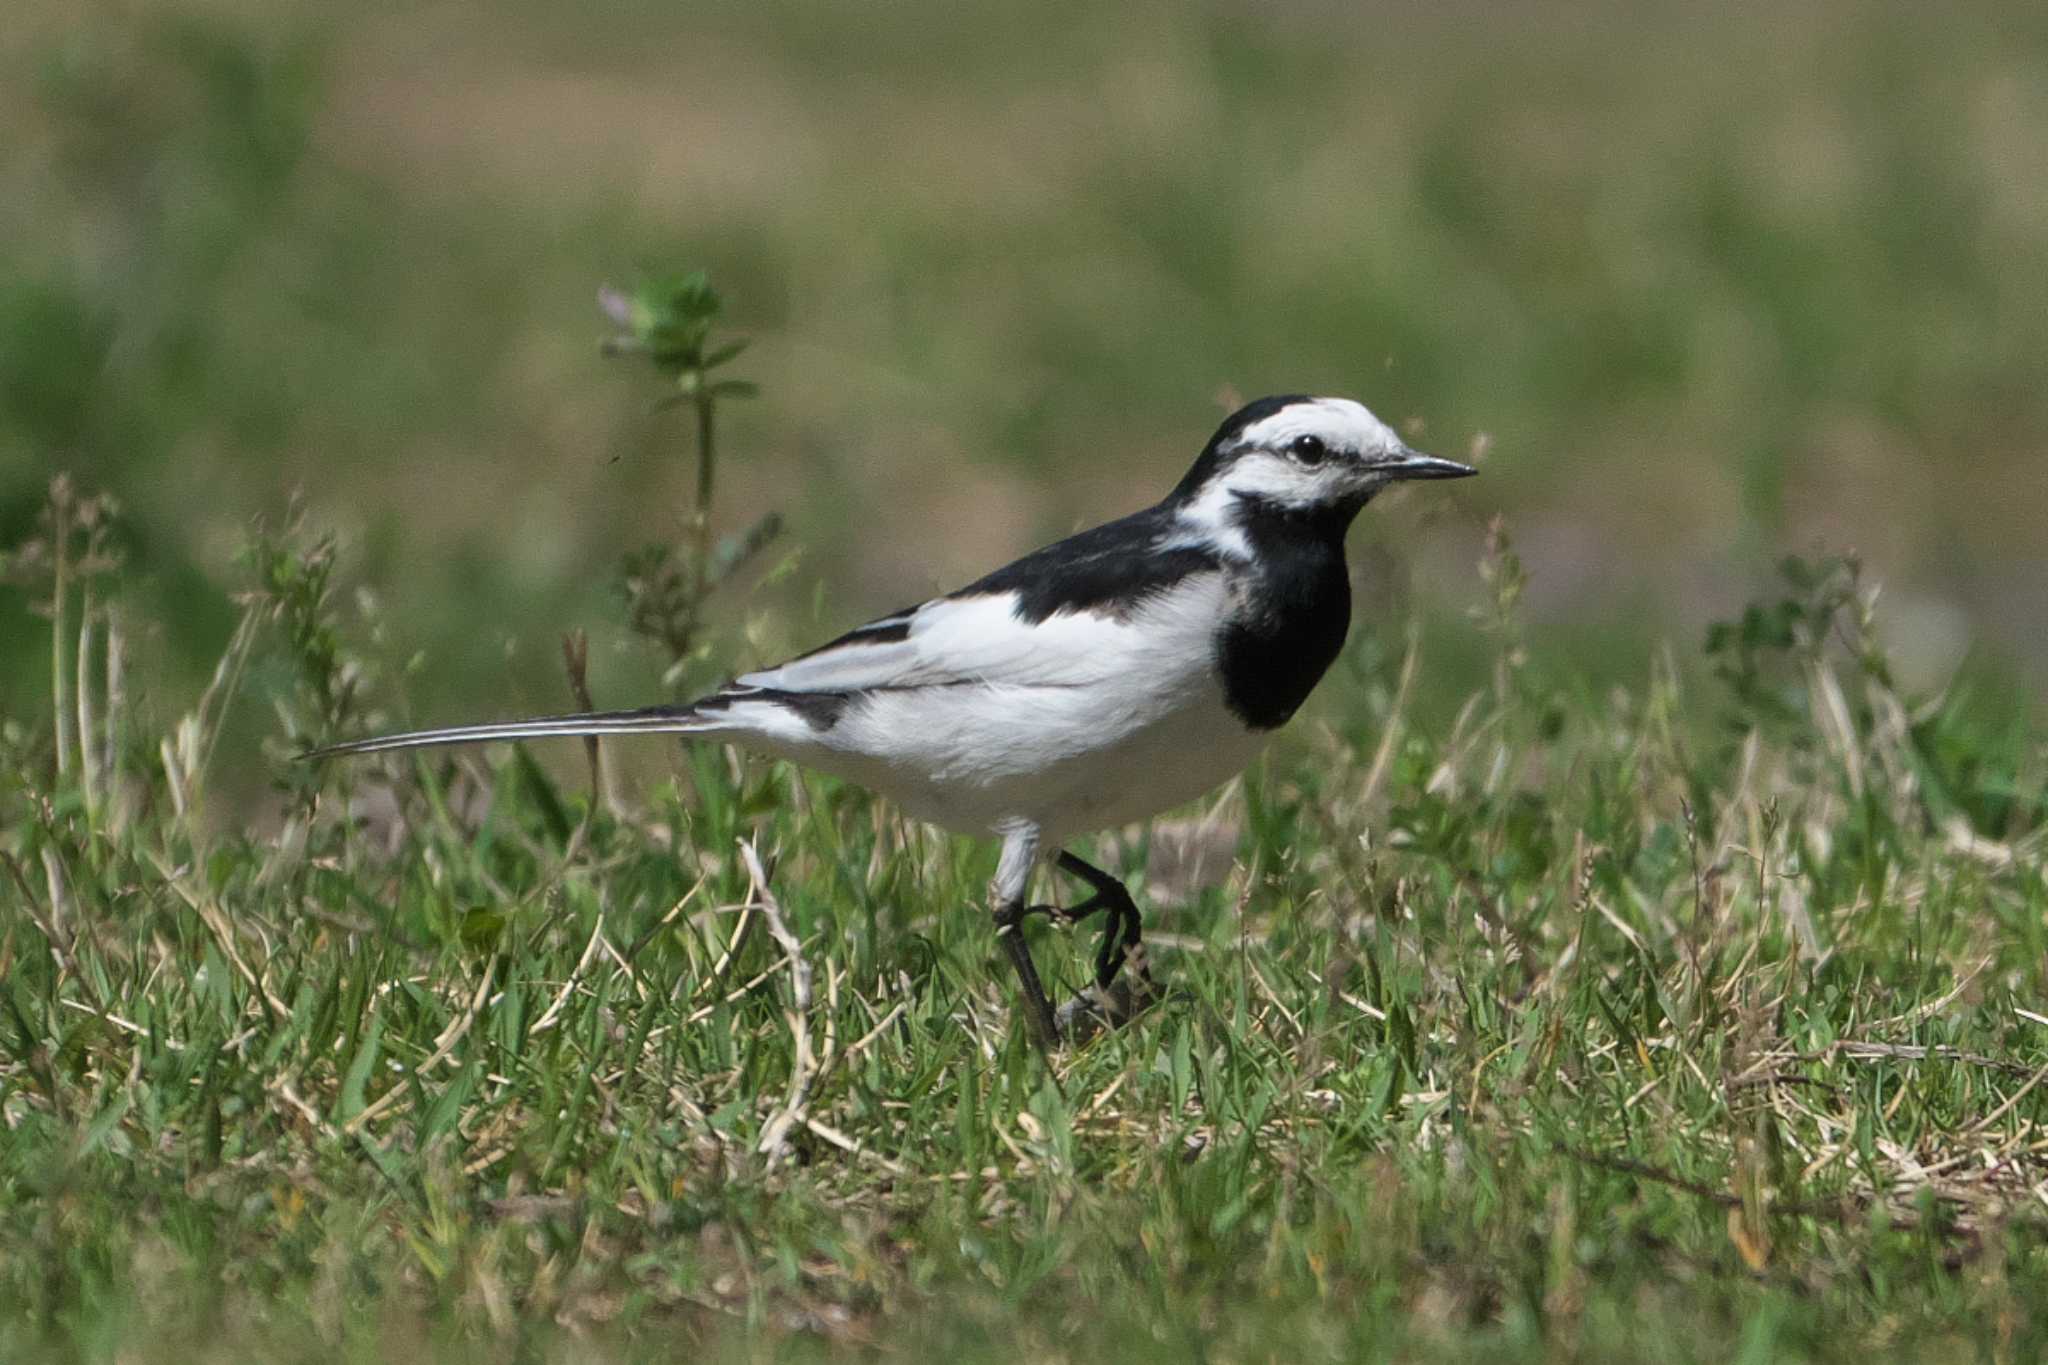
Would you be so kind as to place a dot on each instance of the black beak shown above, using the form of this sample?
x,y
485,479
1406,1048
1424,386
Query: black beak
x,y
1413,464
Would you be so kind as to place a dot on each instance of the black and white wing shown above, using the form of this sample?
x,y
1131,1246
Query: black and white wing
x,y
1056,618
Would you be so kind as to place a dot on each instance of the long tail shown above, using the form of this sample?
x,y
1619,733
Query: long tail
x,y
647,720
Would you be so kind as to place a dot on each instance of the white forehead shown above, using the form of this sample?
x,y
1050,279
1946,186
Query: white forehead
x,y
1342,424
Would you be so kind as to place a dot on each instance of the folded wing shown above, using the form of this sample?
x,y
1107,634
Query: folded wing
x,y
1059,617
952,642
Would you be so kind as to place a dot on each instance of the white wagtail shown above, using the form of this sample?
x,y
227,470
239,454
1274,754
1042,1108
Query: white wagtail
x,y
1090,684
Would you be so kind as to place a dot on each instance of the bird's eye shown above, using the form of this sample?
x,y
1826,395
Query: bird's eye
x,y
1308,449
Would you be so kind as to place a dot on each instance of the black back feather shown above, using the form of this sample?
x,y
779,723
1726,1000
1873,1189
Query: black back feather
x,y
1112,568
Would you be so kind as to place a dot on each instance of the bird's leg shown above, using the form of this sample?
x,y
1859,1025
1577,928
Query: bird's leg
x,y
1107,958
1074,914
1013,878
1036,1007
1121,941
1121,946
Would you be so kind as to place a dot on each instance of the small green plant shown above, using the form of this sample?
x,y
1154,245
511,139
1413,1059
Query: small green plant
x,y
1505,580
671,321
73,551
1765,655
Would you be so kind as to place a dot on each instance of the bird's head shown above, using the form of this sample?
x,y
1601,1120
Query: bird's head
x,y
1296,457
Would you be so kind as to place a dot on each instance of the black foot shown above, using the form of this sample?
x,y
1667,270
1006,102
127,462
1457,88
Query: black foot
x,y
1116,995
1121,938
1122,928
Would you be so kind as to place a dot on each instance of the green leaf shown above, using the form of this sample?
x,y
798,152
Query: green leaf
x,y
104,1122
481,928
445,1112
541,790
718,355
356,1082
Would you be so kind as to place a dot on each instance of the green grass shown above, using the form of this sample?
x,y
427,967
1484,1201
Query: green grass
x,y
1570,1028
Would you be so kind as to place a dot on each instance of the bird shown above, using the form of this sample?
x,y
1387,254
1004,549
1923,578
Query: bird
x,y
1089,685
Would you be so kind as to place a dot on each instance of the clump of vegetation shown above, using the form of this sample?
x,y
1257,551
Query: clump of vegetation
x,y
671,321
70,558
1580,1028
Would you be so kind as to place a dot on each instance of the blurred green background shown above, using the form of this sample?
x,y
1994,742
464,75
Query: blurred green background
x,y
1706,285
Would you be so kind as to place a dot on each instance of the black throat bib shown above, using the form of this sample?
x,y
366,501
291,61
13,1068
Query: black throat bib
x,y
1292,613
